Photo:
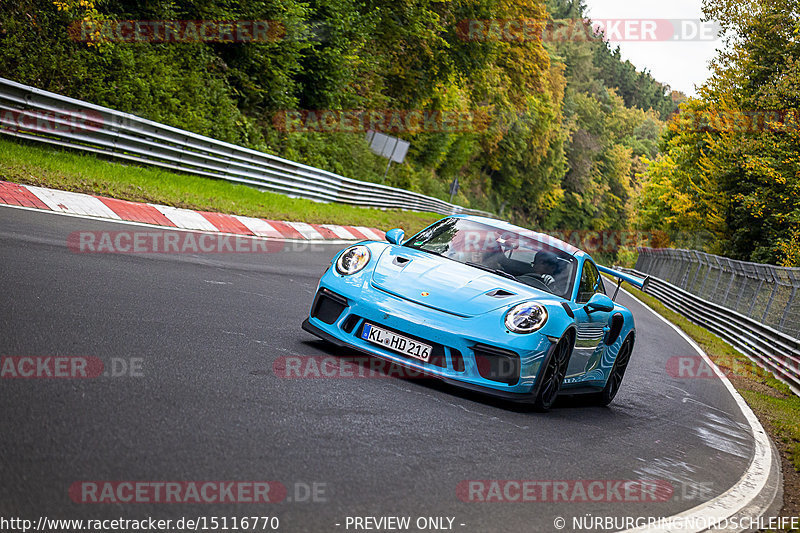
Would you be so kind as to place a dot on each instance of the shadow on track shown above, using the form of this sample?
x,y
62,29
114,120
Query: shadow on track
x,y
390,370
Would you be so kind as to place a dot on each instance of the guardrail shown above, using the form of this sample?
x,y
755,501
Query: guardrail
x,y
769,348
41,116
768,294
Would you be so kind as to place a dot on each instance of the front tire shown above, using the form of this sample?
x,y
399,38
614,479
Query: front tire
x,y
552,375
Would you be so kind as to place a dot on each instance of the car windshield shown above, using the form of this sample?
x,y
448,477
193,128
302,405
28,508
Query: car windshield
x,y
506,253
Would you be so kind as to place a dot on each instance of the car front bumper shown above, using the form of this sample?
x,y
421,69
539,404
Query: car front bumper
x,y
471,352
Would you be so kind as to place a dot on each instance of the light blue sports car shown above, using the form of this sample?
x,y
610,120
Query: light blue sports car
x,y
482,304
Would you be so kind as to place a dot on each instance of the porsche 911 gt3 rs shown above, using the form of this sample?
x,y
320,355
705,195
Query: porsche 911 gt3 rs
x,y
482,304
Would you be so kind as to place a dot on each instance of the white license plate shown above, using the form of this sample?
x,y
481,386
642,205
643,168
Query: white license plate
x,y
398,343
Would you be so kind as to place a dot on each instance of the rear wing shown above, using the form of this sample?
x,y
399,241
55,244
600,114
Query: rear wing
x,y
636,281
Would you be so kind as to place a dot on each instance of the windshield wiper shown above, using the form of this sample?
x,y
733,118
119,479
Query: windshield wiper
x,y
492,270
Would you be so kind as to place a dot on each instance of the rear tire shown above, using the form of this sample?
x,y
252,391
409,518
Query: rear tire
x,y
552,375
606,396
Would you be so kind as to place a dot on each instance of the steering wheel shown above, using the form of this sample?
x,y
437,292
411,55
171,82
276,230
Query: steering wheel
x,y
508,243
535,282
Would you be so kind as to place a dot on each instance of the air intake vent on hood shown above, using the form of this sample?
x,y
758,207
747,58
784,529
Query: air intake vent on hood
x,y
401,261
500,293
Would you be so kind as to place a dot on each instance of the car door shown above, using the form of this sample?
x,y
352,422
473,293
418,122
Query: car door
x,y
589,346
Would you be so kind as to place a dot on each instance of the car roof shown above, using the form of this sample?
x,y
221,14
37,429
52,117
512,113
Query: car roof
x,y
543,237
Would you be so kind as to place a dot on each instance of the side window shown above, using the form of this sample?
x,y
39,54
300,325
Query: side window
x,y
590,284
599,287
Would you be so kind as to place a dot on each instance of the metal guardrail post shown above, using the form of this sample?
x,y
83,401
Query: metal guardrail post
x,y
719,277
700,263
771,299
685,267
745,281
672,264
730,285
763,275
678,264
640,258
710,268
782,324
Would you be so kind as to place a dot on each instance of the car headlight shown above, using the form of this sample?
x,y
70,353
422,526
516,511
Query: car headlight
x,y
526,317
352,260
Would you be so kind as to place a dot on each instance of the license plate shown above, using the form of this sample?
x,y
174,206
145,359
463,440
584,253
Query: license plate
x,y
398,343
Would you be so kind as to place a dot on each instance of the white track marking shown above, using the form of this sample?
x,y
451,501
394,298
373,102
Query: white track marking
x,y
185,218
166,228
78,204
259,227
306,230
706,515
340,232
368,233
72,202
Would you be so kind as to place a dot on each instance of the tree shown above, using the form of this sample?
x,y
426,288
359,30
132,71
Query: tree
x,y
732,161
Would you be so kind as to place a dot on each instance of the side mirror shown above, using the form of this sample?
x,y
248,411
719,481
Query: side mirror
x,y
395,236
599,302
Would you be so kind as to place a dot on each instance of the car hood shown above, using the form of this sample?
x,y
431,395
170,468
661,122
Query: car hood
x,y
447,285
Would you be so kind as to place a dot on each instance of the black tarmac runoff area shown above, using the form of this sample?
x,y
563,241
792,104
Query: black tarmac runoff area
x,y
192,389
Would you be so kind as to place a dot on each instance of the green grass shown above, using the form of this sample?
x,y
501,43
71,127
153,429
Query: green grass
x,y
772,401
71,171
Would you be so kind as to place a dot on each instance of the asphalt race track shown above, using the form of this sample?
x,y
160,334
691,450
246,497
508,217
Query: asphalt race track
x,y
206,404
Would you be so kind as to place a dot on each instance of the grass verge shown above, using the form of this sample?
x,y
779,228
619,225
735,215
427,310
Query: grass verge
x,y
70,171
772,401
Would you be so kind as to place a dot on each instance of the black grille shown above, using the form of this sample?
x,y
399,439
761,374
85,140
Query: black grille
x,y
328,306
497,364
350,323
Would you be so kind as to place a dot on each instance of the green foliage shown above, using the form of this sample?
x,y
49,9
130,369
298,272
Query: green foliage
x,y
638,89
626,257
612,120
561,129
730,168
48,167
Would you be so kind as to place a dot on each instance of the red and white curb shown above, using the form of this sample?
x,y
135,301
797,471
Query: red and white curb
x,y
87,205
